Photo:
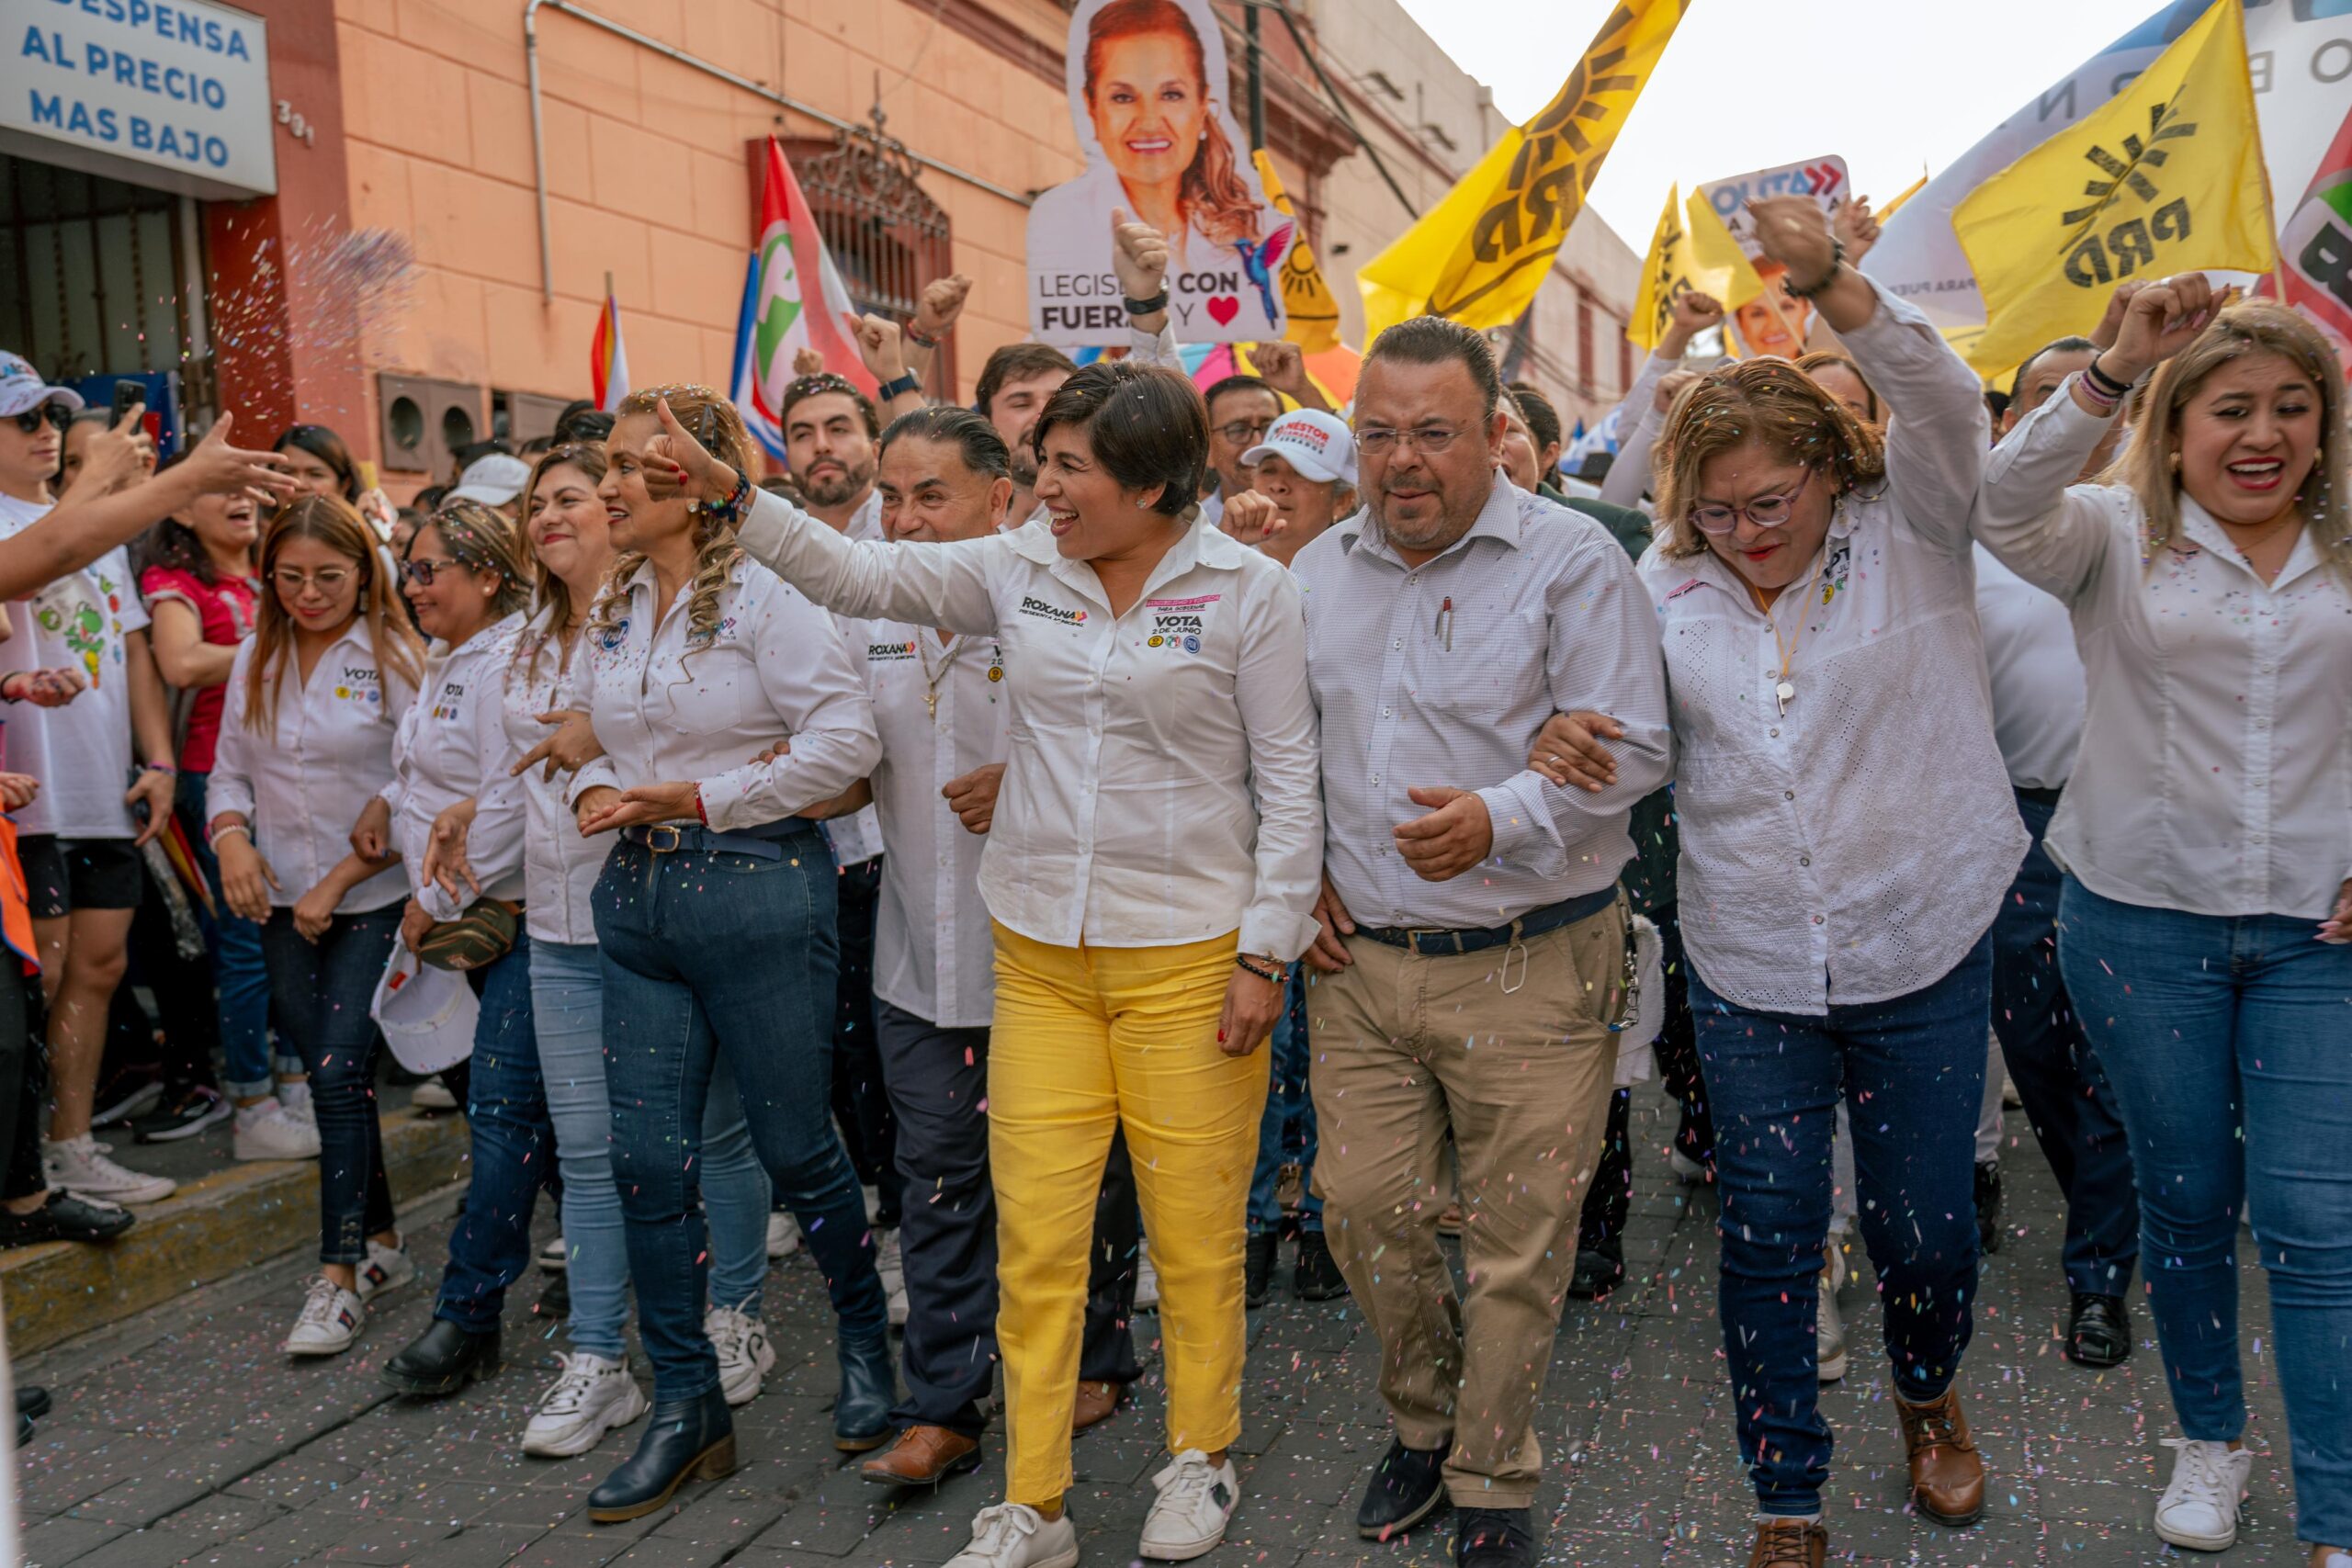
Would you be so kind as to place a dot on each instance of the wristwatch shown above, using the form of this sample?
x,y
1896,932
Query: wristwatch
x,y
909,382
1146,307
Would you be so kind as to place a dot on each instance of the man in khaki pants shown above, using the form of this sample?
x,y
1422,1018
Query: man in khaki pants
x,y
1473,938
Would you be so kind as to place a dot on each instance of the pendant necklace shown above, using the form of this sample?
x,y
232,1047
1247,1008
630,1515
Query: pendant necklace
x,y
1785,691
931,681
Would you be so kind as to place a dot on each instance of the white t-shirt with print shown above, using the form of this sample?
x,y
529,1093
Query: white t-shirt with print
x,y
81,753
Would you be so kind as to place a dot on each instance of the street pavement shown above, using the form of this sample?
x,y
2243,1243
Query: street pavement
x,y
186,1437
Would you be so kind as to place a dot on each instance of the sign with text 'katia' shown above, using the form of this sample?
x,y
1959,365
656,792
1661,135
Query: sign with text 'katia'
x,y
172,94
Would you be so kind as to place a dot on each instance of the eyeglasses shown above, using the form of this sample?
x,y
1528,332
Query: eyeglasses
x,y
32,419
328,579
1245,431
1379,440
1765,511
423,572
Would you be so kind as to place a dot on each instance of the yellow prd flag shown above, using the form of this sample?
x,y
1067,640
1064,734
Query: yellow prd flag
x,y
1691,249
1479,255
2166,178
1314,309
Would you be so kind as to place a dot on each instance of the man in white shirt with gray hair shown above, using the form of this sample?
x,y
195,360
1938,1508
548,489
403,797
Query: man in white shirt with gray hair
x,y
1472,937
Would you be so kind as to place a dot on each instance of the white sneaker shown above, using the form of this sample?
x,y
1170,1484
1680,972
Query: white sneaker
x,y
745,1357
554,1257
592,1398
1828,1327
1146,1278
432,1095
299,1103
330,1320
80,1166
1195,1504
385,1268
2199,1509
784,1235
1012,1535
891,1266
269,1131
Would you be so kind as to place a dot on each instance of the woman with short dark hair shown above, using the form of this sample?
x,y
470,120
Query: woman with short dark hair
x,y
1161,791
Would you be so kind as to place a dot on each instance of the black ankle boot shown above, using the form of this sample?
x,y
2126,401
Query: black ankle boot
x,y
443,1359
692,1440
869,1387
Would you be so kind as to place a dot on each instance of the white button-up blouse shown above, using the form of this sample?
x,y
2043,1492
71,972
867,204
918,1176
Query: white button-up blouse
x,y
1161,787
669,707
2216,774
451,746
302,786
1853,849
933,955
559,867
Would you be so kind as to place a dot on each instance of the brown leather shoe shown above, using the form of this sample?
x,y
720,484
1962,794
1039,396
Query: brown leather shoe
x,y
1947,1477
924,1456
1096,1402
1787,1543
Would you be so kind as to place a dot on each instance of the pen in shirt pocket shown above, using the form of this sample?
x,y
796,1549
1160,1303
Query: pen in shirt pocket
x,y
1445,623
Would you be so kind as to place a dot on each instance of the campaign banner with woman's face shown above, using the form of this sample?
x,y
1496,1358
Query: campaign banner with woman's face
x,y
1146,82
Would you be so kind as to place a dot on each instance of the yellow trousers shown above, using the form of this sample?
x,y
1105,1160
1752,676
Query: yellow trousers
x,y
1088,1040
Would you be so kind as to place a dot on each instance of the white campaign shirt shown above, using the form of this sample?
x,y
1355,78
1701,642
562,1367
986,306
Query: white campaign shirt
x,y
1855,849
1161,787
559,867
670,708
933,955
329,755
2216,776
857,838
81,753
451,746
2037,675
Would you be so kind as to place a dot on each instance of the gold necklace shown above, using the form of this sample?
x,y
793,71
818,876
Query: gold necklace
x,y
2248,549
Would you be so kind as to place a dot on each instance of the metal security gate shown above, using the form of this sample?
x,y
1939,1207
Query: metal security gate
x,y
887,235
93,273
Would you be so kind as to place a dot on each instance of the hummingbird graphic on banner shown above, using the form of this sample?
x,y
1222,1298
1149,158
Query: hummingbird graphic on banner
x,y
1258,259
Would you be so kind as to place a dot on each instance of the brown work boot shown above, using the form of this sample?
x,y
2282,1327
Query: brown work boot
x,y
1789,1543
1947,1478
924,1456
1096,1401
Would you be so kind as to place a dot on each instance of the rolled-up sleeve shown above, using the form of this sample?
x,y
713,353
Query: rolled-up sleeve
x,y
1285,775
820,700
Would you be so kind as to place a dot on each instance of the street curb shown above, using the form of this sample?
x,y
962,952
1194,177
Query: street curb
x,y
217,1225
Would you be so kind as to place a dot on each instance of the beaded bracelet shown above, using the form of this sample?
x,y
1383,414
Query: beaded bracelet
x,y
730,511
1272,977
1836,260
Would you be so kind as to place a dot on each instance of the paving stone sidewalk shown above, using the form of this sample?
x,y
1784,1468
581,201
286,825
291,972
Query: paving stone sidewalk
x,y
185,1437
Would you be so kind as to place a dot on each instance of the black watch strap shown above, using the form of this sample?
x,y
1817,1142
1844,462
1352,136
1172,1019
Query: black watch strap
x,y
1146,307
909,382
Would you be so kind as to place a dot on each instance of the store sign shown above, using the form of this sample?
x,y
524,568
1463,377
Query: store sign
x,y
167,93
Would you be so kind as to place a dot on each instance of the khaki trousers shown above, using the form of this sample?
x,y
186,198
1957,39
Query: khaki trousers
x,y
1406,1047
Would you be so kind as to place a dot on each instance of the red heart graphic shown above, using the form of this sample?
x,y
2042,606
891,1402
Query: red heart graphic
x,y
1223,308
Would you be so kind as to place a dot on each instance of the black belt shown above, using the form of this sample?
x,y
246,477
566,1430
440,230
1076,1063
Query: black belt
x,y
764,843
2038,795
1426,941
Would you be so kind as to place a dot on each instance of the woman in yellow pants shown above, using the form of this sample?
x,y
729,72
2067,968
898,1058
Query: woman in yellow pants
x,y
1151,869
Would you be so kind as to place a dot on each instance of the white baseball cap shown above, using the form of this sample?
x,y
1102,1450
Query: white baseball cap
x,y
494,480
1317,445
21,388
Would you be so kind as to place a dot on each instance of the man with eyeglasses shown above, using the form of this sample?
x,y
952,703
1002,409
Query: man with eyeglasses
x,y
1242,410
1474,936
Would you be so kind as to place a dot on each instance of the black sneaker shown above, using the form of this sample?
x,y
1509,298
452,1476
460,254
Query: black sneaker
x,y
1494,1537
1989,1205
65,1217
182,1115
1258,1269
1600,1269
1408,1486
1317,1278
124,1093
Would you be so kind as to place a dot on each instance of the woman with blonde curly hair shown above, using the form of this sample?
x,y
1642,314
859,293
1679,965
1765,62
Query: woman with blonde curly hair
x,y
2205,922
716,915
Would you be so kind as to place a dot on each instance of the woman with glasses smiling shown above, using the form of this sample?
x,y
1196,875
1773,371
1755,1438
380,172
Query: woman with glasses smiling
x,y
1848,835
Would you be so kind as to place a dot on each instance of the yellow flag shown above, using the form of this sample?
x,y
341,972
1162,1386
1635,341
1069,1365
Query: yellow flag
x,y
1314,309
1892,208
1691,251
2166,178
1479,255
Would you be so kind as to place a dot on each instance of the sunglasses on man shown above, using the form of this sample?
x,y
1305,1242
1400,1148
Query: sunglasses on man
x,y
33,418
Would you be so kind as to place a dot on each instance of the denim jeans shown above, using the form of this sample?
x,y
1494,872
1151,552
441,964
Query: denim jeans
x,y
320,991
736,1198
514,1148
869,1127
712,956
1913,1069
1286,1129
2229,1046
568,1015
238,974
2068,1101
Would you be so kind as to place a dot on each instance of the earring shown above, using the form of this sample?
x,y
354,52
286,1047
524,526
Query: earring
x,y
2176,462
1140,506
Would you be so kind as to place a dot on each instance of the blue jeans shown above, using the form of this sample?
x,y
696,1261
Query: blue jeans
x,y
320,991
1286,1129
2067,1099
712,956
239,972
2229,1043
1913,1069
514,1151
